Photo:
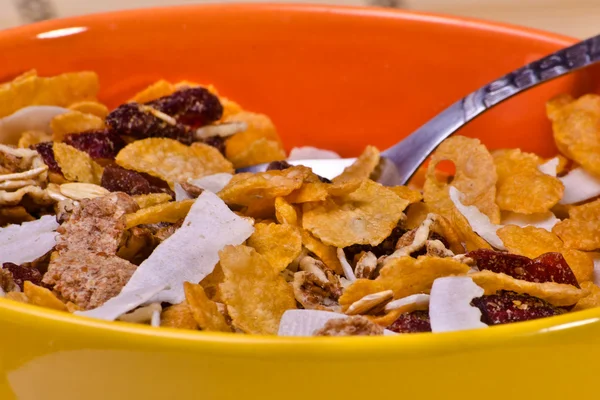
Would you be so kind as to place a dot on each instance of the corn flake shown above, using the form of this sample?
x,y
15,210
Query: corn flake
x,y
582,229
155,91
77,166
413,196
558,294
244,189
90,107
279,244
532,242
42,297
255,293
285,212
405,276
258,152
365,216
30,138
171,160
518,173
309,192
204,310
475,177
211,283
327,254
362,168
165,212
74,122
592,300
178,316
576,127
151,199
61,90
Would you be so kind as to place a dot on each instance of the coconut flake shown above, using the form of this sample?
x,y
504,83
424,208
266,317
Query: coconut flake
x,y
29,241
549,167
213,183
545,220
155,321
450,306
189,255
419,300
33,118
311,153
123,302
306,322
579,186
180,193
479,222
345,265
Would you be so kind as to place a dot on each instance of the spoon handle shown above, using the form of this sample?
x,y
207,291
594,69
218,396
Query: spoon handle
x,y
411,152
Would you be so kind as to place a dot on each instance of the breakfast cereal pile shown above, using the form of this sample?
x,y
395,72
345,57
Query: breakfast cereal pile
x,y
137,214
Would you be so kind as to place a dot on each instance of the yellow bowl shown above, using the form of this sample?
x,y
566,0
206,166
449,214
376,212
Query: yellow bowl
x,y
334,77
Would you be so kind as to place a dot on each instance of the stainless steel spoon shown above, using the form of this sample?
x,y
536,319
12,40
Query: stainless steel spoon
x,y
401,161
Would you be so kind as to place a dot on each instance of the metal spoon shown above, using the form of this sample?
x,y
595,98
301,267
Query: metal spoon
x,y
401,161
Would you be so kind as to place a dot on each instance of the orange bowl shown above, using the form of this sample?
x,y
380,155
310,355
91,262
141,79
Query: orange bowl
x,y
332,77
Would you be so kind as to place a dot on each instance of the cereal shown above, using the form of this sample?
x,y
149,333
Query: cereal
x,y
285,212
163,212
151,199
76,165
178,316
576,132
475,177
204,310
581,230
365,216
592,300
41,296
74,122
518,173
255,294
532,242
362,168
279,244
172,161
90,107
61,90
326,253
413,196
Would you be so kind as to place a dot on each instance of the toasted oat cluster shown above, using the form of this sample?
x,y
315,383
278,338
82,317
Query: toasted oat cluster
x,y
136,214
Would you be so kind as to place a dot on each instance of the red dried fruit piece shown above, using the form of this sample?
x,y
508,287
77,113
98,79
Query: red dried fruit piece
x,y
129,119
192,106
22,273
505,307
413,322
98,144
549,267
278,165
119,179
217,142
46,151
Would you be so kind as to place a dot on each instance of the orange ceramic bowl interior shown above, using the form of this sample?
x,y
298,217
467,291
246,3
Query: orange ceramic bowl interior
x,y
331,77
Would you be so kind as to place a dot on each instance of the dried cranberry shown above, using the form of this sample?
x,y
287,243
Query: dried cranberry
x,y
129,119
413,322
46,150
98,144
118,179
22,273
217,142
549,267
505,307
193,106
278,165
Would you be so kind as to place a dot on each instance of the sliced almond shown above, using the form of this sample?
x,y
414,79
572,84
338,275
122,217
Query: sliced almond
x,y
223,130
369,302
24,175
81,191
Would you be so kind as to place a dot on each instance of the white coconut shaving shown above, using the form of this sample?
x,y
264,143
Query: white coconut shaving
x,y
346,267
480,223
123,302
545,220
311,153
180,193
419,300
189,255
550,167
213,183
580,185
306,322
450,306
155,321
33,118
29,241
